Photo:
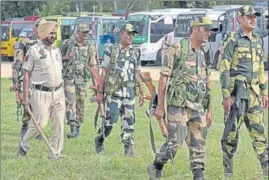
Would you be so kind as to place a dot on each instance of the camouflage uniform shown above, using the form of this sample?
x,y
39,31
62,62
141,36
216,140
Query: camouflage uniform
x,y
21,47
242,59
187,98
121,100
76,73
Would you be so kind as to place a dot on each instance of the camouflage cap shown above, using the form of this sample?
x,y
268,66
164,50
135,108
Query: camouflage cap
x,y
129,28
83,28
247,10
39,21
203,21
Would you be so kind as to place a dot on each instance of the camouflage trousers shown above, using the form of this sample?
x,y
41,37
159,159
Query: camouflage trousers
x,y
255,125
185,124
75,95
124,108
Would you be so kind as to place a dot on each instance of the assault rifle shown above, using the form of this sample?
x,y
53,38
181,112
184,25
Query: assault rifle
x,y
238,110
18,96
150,112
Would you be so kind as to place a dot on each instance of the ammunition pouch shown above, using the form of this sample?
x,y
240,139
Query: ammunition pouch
x,y
112,81
181,90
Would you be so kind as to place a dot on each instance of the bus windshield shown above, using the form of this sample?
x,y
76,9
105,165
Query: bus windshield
x,y
17,27
110,26
140,23
5,32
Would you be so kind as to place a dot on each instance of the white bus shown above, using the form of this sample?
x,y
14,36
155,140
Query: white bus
x,y
152,28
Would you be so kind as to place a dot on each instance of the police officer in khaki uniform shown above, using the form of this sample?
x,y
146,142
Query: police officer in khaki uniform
x,y
21,48
43,67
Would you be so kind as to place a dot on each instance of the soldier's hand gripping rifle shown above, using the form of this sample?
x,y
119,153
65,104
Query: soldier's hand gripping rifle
x,y
150,112
238,109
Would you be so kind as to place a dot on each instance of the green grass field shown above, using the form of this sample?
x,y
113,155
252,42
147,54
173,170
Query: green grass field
x,y
82,163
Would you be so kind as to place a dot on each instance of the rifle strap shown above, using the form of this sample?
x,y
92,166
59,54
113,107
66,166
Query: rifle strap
x,y
96,117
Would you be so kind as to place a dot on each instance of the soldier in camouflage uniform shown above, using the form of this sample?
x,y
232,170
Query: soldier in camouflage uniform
x,y
188,99
242,59
79,62
121,73
21,48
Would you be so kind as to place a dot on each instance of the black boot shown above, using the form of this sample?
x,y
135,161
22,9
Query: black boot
x,y
198,174
21,152
264,165
74,132
228,166
155,171
99,144
128,150
39,137
24,129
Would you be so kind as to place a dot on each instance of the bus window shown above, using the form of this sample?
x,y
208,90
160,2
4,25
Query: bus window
x,y
182,28
140,23
16,28
5,33
159,29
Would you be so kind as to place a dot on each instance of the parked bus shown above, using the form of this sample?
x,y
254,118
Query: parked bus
x,y
153,29
10,32
101,29
66,24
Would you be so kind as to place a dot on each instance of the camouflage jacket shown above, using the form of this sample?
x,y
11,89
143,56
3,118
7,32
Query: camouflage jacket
x,y
77,69
125,62
20,49
242,59
188,71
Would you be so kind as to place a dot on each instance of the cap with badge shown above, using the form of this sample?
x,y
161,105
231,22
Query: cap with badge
x,y
203,21
129,28
247,10
83,28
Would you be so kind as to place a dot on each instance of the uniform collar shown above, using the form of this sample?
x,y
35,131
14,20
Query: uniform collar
x,y
83,43
43,46
121,48
192,47
243,34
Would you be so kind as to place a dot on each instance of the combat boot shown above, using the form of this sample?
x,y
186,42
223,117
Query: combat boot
x,y
21,152
39,137
228,166
128,150
264,166
24,129
198,174
74,132
155,173
99,145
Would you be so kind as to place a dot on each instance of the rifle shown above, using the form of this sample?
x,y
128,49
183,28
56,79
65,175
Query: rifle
x,y
148,81
150,112
18,95
238,110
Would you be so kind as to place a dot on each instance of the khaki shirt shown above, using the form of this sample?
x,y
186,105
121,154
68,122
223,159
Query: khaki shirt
x,y
44,65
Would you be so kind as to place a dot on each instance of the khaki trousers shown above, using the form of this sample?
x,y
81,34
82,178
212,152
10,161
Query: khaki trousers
x,y
47,105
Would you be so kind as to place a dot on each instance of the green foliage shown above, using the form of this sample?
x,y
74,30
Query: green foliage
x,y
82,163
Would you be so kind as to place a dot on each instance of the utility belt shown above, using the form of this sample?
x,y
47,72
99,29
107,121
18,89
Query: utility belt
x,y
47,89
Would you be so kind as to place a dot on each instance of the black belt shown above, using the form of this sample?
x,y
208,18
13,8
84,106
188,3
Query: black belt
x,y
49,89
